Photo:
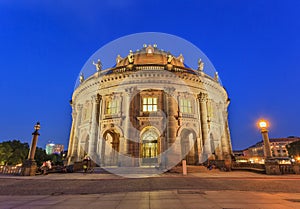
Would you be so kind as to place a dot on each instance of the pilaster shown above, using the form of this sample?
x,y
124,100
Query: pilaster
x,y
74,154
202,97
94,126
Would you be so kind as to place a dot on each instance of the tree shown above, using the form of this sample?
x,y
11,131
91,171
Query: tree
x,y
5,153
294,148
40,156
13,152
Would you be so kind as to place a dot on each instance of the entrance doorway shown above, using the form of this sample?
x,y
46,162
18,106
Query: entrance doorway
x,y
149,147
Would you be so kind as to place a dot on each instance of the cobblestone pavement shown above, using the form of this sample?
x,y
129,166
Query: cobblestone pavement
x,y
197,190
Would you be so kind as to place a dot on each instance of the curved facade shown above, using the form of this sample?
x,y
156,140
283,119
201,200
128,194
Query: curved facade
x,y
149,110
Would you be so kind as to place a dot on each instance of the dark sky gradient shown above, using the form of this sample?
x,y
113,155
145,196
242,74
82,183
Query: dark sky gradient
x,y
253,44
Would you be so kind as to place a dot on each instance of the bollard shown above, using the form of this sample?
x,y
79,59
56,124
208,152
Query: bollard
x,y
184,169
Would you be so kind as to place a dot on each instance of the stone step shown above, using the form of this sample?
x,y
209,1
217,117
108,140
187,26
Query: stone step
x,y
150,170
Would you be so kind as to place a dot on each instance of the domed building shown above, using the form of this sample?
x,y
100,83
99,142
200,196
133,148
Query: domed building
x,y
150,109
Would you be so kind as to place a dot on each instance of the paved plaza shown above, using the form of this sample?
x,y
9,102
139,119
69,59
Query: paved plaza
x,y
212,189
157,200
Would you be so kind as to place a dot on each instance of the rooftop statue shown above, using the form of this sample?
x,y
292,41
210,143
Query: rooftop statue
x,y
200,65
170,58
98,65
181,58
130,57
118,59
81,78
216,77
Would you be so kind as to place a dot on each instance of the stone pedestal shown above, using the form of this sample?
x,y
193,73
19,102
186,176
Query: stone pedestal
x,y
29,168
296,168
272,168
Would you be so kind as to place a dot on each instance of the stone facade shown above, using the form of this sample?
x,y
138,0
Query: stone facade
x,y
149,110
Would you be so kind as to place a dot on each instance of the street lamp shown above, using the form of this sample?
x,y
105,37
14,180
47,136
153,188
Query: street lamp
x,y
35,134
263,125
29,166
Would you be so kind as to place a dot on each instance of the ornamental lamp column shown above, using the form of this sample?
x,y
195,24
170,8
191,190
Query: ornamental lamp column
x,y
34,141
29,165
263,125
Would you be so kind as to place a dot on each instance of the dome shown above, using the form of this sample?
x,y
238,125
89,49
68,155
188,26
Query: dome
x,y
150,55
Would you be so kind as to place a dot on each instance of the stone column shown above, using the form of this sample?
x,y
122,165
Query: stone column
x,y
99,137
204,126
267,147
126,111
29,165
125,148
199,137
174,155
74,155
94,127
35,134
71,140
228,155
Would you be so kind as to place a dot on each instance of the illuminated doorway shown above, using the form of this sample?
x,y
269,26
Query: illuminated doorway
x,y
149,147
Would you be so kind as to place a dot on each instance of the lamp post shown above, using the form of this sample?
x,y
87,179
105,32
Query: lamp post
x,y
263,125
34,141
29,166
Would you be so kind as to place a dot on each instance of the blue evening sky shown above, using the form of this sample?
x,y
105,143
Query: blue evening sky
x,y
253,44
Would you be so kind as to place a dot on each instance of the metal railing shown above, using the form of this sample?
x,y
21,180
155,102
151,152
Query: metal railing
x,y
14,170
248,166
286,169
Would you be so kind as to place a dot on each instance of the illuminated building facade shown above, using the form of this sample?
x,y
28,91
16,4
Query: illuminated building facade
x,y
255,153
150,109
52,148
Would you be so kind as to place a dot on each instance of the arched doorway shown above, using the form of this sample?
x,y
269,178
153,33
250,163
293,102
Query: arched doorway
x,y
110,148
189,149
149,146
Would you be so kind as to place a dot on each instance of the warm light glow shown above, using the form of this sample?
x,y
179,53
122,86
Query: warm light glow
x,y
263,123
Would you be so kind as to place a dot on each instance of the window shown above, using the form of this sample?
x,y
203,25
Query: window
x,y
149,104
112,107
185,106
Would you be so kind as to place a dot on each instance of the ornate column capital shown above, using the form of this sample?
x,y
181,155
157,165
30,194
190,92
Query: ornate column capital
x,y
79,107
170,90
131,90
96,98
202,97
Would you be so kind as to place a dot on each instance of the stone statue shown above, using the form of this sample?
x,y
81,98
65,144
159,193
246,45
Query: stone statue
x,y
81,78
216,77
98,65
200,65
118,59
170,58
130,57
181,58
